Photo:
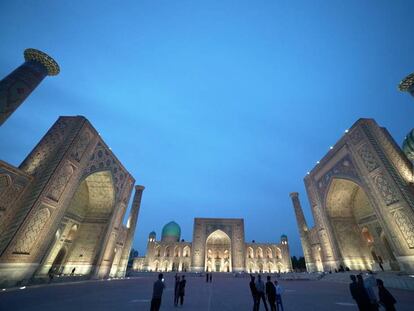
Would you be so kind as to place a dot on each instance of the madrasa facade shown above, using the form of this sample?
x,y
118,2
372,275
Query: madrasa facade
x,y
218,246
362,198
62,208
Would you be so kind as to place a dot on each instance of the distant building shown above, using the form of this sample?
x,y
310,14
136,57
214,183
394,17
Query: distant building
x,y
362,198
218,246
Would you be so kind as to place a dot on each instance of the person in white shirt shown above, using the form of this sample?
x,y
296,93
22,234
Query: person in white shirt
x,y
279,292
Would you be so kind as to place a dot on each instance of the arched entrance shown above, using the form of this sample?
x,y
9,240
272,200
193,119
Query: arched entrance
x,y
354,225
57,265
218,252
85,223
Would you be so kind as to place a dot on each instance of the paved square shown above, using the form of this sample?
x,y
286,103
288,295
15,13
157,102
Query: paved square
x,y
225,293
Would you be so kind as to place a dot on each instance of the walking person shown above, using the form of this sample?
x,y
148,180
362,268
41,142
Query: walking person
x,y
261,292
271,294
50,274
176,288
353,288
362,294
211,277
157,293
181,289
73,271
279,292
385,298
253,290
207,277
370,282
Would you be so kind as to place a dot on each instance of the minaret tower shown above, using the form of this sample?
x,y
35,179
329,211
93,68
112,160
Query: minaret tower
x,y
303,231
407,84
18,85
131,225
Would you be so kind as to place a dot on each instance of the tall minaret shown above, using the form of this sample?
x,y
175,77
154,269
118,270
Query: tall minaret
x,y
18,85
407,84
303,231
131,225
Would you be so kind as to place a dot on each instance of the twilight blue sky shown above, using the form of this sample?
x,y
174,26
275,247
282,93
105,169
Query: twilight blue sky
x,y
218,107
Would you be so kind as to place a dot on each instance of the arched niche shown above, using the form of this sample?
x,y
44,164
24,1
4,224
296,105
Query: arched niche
x,y
347,207
220,245
91,208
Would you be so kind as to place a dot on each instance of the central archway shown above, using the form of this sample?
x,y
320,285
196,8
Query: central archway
x,y
354,224
84,224
218,252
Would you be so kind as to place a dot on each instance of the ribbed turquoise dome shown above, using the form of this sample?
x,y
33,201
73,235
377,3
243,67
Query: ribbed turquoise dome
x,y
171,231
283,236
408,146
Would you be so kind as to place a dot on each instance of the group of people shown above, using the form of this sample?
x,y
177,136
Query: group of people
x,y
159,286
260,291
362,291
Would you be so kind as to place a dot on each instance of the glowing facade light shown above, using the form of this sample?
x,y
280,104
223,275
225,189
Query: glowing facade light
x,y
23,287
346,131
317,162
331,147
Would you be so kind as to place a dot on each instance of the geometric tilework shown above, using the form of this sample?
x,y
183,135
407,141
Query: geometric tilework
x,y
406,226
33,228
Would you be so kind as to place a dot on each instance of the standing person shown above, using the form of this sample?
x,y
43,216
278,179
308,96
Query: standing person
x,y
50,274
271,294
362,294
261,292
207,277
279,292
211,277
385,297
353,288
176,288
181,290
370,282
157,293
253,290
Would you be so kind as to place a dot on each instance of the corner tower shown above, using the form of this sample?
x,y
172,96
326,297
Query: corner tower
x,y
303,231
18,85
407,84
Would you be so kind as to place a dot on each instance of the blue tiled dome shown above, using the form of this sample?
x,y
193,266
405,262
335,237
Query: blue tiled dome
x,y
171,231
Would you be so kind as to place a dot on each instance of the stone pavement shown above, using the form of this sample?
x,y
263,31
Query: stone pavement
x,y
225,293
392,279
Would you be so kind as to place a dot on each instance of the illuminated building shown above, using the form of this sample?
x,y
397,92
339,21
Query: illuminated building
x,y
218,246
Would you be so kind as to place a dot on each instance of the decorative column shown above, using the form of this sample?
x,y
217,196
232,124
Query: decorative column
x,y
18,85
303,231
131,225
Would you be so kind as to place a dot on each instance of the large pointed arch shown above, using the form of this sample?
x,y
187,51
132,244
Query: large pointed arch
x,y
220,245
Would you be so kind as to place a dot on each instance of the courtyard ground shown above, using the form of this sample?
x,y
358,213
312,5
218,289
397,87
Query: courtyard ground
x,y
224,293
